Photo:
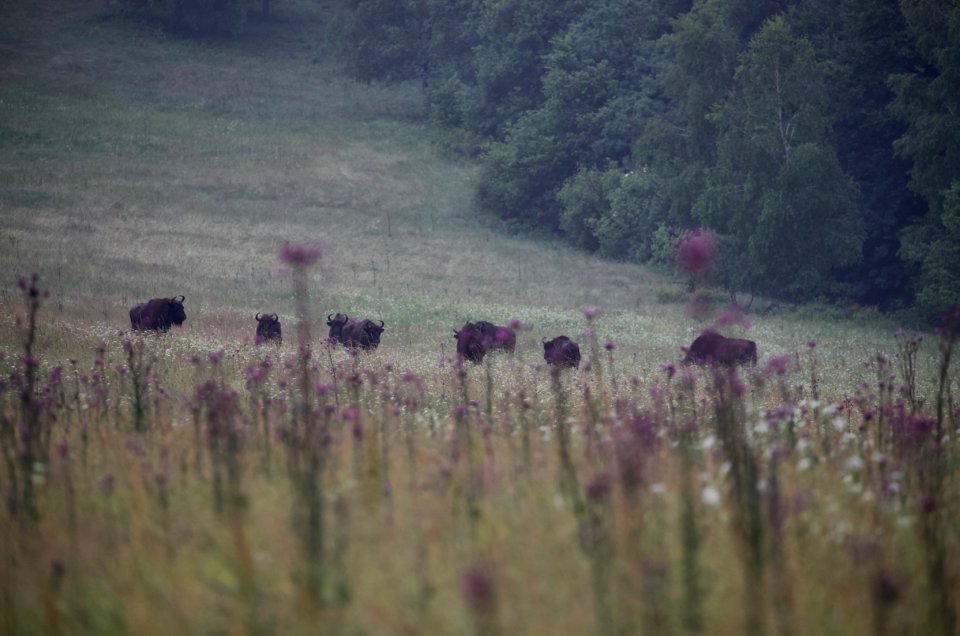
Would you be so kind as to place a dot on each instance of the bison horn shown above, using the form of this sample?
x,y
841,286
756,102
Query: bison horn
x,y
182,298
258,316
381,323
275,317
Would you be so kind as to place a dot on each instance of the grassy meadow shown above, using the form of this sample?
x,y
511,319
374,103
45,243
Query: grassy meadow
x,y
196,483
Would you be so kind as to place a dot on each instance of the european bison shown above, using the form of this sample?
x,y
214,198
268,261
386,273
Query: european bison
x,y
712,348
362,334
158,314
477,339
268,328
561,352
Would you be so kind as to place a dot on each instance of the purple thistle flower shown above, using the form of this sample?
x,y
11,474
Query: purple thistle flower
x,y
598,489
300,255
609,345
696,251
590,312
476,587
886,590
811,344
733,315
107,484
778,364
670,369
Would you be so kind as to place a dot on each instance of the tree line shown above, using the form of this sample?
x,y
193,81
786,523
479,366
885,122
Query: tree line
x,y
818,139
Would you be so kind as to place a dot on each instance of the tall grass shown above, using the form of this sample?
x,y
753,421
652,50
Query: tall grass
x,y
443,498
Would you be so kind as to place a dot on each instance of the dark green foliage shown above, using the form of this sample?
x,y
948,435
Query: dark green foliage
x,y
928,102
777,190
864,41
509,59
387,39
598,90
936,246
521,175
584,199
636,211
226,17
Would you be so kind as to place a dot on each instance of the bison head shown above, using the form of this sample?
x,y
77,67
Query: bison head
x,y
470,343
372,330
268,328
336,323
176,315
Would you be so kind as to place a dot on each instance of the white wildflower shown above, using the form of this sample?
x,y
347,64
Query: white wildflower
x,y
710,496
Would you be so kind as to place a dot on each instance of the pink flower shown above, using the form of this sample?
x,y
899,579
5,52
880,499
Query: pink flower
x,y
696,251
300,255
476,587
778,364
590,312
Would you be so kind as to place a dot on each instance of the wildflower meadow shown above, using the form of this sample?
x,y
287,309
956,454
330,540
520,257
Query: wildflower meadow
x,y
310,488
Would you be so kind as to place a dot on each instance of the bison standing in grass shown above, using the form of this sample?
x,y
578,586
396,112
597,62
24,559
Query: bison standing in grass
x,y
362,334
268,328
158,314
476,339
713,349
561,352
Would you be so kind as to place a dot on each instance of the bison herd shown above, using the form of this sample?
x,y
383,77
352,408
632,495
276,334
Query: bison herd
x,y
474,340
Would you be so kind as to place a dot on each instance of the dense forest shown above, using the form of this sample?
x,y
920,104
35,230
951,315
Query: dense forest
x,y
818,141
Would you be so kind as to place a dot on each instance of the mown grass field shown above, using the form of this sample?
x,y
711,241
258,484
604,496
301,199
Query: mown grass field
x,y
402,493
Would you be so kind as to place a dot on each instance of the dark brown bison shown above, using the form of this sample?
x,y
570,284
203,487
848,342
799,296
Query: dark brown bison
x,y
477,339
158,314
362,334
561,352
712,348
268,328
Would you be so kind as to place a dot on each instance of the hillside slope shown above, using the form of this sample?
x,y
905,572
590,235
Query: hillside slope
x,y
135,164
